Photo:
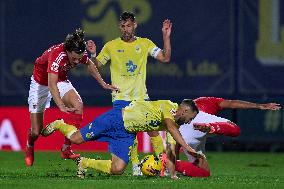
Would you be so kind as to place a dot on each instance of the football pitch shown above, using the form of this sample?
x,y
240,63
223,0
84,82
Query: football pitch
x,y
228,170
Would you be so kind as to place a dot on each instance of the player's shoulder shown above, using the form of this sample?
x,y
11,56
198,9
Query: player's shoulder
x,y
166,102
144,40
113,42
57,49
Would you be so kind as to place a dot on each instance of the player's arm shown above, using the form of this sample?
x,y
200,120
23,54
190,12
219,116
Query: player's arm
x,y
173,130
239,104
165,54
52,85
177,149
95,73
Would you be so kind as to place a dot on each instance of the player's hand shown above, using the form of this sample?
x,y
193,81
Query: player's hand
x,y
65,109
195,154
270,106
167,28
111,87
91,47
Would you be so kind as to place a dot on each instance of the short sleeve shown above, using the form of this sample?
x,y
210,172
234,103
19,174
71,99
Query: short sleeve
x,y
168,109
104,55
54,61
153,50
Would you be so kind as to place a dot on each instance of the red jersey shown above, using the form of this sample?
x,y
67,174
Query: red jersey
x,y
54,60
209,105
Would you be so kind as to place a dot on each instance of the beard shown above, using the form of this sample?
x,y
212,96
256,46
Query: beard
x,y
127,36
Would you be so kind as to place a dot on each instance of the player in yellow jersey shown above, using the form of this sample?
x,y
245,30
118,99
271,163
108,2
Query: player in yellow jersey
x,y
118,127
128,58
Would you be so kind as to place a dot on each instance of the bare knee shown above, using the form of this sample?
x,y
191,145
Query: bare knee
x,y
76,138
117,170
117,166
35,132
79,107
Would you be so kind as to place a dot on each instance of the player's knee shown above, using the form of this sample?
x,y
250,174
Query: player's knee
x,y
35,133
79,107
117,168
76,138
237,130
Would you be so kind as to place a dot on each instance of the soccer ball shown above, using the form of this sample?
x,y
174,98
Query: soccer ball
x,y
150,165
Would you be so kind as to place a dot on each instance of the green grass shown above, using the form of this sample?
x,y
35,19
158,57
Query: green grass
x,y
229,170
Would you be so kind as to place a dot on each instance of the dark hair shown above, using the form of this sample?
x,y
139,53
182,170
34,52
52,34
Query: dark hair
x,y
127,15
75,42
191,104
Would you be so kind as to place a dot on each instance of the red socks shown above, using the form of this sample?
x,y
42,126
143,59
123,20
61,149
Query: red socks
x,y
191,170
225,128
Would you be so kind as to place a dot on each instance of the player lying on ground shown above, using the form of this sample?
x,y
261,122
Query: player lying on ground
x,y
118,127
205,124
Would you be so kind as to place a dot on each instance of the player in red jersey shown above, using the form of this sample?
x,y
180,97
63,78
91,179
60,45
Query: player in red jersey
x,y
49,80
205,123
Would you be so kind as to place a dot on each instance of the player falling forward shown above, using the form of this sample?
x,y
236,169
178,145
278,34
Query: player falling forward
x,y
205,124
118,127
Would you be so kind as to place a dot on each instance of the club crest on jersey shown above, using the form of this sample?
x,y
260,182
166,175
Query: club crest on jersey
x,y
130,66
138,49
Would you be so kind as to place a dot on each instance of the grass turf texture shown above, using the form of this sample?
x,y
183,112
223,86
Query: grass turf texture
x,y
229,170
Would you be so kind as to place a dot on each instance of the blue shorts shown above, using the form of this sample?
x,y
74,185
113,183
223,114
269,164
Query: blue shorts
x,y
119,104
109,127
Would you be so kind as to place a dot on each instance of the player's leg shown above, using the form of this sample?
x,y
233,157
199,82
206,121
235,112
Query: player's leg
x,y
71,98
157,142
33,134
115,166
197,169
39,99
134,159
219,128
216,125
120,143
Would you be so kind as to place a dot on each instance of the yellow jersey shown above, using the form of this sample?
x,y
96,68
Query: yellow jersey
x,y
128,66
148,115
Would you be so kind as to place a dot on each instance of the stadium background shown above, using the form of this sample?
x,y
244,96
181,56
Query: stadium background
x,y
226,48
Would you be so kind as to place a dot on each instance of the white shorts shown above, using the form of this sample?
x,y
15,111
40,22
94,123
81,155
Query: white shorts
x,y
194,138
40,96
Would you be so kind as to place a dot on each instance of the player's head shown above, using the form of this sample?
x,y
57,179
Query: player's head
x,y
187,110
127,26
75,46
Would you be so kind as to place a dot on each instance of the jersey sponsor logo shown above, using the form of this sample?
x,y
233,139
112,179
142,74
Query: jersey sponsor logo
x,y
130,66
120,50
